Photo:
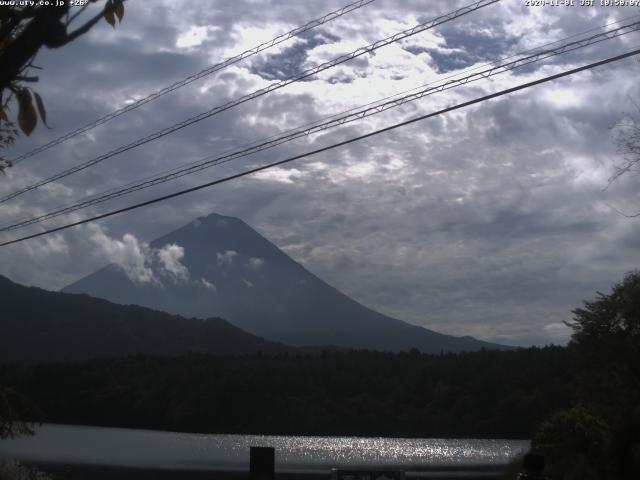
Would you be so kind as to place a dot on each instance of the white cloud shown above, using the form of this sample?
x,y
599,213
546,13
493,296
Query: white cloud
x,y
194,37
54,244
226,258
255,263
141,263
280,175
170,257
246,37
129,254
562,98
206,284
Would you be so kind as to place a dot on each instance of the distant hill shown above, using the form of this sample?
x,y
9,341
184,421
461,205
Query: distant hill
x,y
233,272
37,325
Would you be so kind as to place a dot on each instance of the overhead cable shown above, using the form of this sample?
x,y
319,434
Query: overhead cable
x,y
330,147
274,86
213,160
196,76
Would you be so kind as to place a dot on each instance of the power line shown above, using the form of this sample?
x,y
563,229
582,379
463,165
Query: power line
x,y
274,86
537,49
211,161
196,76
330,147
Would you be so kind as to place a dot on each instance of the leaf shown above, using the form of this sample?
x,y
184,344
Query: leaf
x,y
27,117
108,14
120,11
41,110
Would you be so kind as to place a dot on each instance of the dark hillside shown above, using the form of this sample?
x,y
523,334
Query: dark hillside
x,y
37,325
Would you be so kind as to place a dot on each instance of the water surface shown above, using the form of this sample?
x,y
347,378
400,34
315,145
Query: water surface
x,y
154,449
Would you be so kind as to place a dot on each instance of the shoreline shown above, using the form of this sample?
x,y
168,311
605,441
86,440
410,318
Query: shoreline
x,y
497,438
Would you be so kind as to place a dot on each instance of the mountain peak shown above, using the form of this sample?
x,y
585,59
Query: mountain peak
x,y
213,220
229,270
216,218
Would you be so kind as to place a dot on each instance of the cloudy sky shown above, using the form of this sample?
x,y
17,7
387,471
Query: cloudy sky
x,y
492,221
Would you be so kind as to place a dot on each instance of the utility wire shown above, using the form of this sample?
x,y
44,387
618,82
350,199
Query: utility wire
x,y
546,46
330,147
274,86
378,101
108,194
212,160
196,76
176,172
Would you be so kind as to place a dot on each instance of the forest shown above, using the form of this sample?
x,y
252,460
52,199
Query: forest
x,y
500,394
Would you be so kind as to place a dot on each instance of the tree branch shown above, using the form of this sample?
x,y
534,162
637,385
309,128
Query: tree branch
x,y
619,212
21,50
27,79
109,7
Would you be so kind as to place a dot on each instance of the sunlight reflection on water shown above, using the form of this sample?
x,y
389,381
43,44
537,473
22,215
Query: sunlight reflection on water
x,y
145,448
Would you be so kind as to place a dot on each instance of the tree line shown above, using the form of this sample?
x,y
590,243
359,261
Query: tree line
x,y
500,394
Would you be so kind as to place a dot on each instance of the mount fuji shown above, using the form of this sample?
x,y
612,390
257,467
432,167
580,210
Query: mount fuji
x,y
218,266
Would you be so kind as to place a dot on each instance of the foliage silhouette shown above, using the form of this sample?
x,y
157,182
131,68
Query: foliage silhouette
x,y
24,30
599,436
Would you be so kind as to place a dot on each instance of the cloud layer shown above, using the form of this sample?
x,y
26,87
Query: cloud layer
x,y
492,221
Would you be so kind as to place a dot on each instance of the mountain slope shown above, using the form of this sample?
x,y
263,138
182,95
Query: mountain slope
x,y
38,325
236,274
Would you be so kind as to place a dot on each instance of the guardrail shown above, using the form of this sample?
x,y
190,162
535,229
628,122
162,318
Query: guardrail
x,y
262,467
98,472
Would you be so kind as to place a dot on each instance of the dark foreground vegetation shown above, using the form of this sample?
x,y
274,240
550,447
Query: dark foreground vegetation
x,y
37,325
482,394
598,437
579,404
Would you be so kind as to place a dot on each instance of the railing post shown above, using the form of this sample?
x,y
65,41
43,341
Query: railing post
x,y
261,463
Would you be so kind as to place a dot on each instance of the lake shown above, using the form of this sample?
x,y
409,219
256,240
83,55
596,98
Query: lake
x,y
119,447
